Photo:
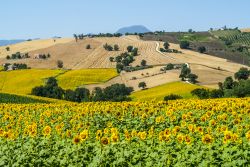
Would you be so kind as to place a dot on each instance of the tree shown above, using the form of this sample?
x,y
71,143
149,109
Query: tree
x,y
228,83
200,93
81,95
130,48
70,95
7,48
143,63
51,82
192,78
142,85
111,59
88,46
202,49
172,97
60,64
117,92
242,74
169,66
166,45
98,95
135,52
76,37
119,67
116,47
216,93
184,45
185,71
8,57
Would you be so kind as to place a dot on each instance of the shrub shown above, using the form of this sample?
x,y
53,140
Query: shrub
x,y
202,49
88,46
172,97
143,62
116,47
201,93
184,45
166,45
142,85
130,48
60,64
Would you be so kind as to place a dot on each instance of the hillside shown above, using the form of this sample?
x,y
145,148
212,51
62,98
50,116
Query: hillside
x,y
75,56
133,29
245,30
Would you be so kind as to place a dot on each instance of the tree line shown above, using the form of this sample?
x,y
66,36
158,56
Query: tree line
x,y
115,92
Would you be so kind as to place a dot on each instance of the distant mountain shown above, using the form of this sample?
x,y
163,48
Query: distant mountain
x,y
10,42
133,29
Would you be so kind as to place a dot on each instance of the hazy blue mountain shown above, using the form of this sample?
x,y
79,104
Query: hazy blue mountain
x,y
133,29
10,42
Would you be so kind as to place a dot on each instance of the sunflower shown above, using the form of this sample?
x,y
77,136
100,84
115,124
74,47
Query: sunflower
x,y
167,132
47,131
188,139
248,135
142,135
207,139
105,140
114,138
98,134
180,138
84,135
76,140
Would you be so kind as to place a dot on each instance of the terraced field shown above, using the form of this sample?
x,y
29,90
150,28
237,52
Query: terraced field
x,y
235,36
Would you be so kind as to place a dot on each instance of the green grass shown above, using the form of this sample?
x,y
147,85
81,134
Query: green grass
x,y
18,99
193,37
158,93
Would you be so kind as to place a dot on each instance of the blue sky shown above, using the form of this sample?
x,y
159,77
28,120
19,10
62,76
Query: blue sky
x,y
47,18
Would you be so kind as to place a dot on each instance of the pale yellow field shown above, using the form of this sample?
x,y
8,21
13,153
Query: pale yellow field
x,y
22,81
29,46
158,93
75,78
245,30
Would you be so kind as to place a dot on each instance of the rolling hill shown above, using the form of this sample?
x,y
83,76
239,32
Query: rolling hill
x,y
10,42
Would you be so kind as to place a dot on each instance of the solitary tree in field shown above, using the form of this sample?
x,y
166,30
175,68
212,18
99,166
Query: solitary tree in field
x,y
7,48
142,85
143,62
166,45
60,64
76,37
88,46
116,47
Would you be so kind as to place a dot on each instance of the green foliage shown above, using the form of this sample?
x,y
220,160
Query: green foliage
x,y
116,47
242,74
172,97
166,45
184,44
88,46
142,85
130,48
17,99
202,49
59,63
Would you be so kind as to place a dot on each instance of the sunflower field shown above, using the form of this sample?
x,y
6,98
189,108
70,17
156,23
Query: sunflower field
x,y
174,133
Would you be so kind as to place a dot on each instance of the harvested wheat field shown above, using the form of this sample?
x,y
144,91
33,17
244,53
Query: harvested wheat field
x,y
29,46
76,56
245,30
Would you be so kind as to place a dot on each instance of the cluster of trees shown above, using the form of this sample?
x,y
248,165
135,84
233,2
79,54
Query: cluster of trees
x,y
132,50
116,92
229,88
18,55
44,56
15,66
186,74
166,49
82,36
111,48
